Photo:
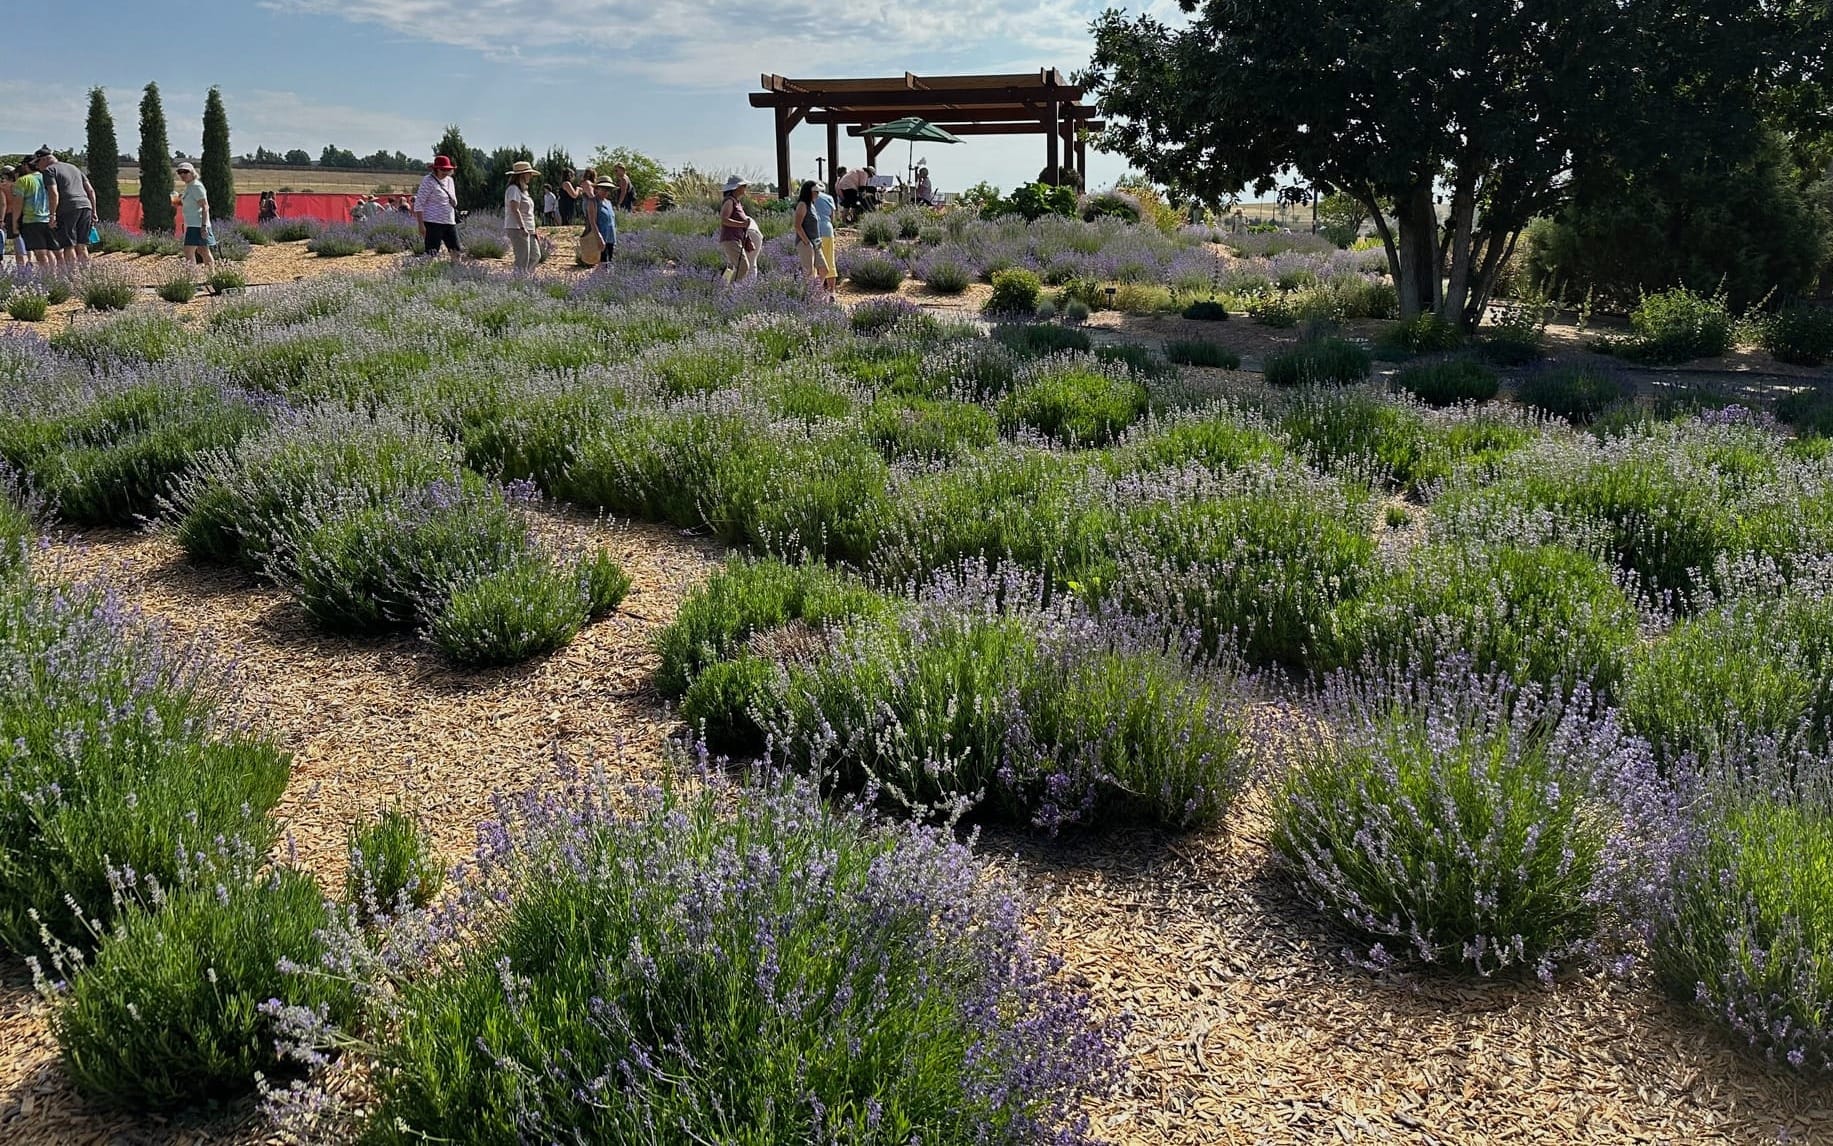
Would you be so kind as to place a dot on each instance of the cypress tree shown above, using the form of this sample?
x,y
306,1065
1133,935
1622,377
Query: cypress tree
x,y
468,179
104,157
156,213
215,170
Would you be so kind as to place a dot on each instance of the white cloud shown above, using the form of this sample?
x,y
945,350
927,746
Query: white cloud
x,y
696,44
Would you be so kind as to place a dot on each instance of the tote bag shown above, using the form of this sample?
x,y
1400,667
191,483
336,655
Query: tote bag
x,y
591,248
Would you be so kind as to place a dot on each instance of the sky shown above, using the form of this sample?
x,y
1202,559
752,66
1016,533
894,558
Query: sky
x,y
666,77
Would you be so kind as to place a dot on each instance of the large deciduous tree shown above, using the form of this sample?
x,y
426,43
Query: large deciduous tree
x,y
216,169
156,211
102,153
1408,105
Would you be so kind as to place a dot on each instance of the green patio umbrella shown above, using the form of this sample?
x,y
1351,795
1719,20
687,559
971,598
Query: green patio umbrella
x,y
915,129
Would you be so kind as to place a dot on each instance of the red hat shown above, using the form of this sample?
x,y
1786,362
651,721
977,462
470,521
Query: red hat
x,y
443,163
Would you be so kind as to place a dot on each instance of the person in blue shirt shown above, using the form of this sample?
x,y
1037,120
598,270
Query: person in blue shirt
x,y
824,228
605,205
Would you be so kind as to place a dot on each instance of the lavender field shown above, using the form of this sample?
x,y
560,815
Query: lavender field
x,y
625,707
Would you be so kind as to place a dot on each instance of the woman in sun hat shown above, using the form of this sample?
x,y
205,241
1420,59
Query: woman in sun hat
x,y
519,216
605,217
436,207
735,231
194,204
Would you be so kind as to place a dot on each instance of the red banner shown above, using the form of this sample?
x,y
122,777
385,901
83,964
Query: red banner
x,y
293,205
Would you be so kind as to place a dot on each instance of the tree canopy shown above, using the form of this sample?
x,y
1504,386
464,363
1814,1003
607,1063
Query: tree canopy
x,y
100,154
216,168
1408,106
156,211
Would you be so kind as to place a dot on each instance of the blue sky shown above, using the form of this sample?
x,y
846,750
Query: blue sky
x,y
668,77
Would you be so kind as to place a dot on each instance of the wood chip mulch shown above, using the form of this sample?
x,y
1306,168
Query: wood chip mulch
x,y
1246,1024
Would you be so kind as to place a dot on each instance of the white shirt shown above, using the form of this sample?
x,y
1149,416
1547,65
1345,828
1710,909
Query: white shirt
x,y
518,210
550,202
437,199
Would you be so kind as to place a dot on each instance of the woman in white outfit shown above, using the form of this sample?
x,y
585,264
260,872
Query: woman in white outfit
x,y
519,217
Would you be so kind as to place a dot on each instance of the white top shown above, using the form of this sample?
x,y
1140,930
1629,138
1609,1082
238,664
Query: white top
x,y
518,210
437,199
550,202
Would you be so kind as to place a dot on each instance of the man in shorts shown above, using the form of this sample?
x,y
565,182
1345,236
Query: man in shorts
x,y
75,216
436,207
193,204
35,206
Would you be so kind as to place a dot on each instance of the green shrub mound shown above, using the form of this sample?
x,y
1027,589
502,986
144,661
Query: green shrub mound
x,y
103,288
1198,352
1450,822
114,757
1800,333
1037,340
28,303
1422,334
178,287
1546,616
1318,362
1758,665
1678,325
929,428
524,608
1808,411
1448,382
875,272
335,245
1360,433
1742,924
1206,310
1220,440
1075,404
1015,292
1576,393
856,980
176,1008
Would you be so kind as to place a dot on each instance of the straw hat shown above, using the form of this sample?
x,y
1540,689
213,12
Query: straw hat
x,y
521,167
734,184
606,184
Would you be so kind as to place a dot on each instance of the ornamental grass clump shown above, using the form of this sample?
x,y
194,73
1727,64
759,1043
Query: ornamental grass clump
x,y
1201,352
28,303
1455,821
105,288
1740,924
121,757
178,287
1542,615
1575,393
1327,361
392,866
872,271
734,965
178,1006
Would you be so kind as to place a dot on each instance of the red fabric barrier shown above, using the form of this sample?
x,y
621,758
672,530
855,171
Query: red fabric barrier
x,y
293,205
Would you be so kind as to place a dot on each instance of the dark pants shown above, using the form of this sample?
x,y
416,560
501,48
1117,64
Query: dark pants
x,y
567,205
437,233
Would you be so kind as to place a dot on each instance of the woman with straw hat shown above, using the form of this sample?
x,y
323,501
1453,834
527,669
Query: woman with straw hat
x,y
519,216
605,215
735,231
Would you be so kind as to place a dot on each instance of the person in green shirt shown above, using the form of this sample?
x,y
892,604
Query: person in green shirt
x,y
194,204
35,205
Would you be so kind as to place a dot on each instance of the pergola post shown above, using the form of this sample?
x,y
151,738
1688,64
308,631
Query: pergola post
x,y
1082,160
833,150
874,148
782,152
1050,142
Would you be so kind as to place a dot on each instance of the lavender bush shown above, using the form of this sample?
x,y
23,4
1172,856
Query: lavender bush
x,y
1741,923
753,959
1454,821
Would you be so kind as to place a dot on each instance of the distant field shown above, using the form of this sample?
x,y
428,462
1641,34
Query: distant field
x,y
301,179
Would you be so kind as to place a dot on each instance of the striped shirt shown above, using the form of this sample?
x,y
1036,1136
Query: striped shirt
x,y
437,200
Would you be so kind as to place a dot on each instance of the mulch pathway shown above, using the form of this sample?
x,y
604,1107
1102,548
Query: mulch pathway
x,y
1246,1024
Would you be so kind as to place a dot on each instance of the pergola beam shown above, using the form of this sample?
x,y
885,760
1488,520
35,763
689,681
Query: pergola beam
x,y
1029,127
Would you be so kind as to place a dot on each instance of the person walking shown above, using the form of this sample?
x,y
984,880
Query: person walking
x,y
550,207
823,208
193,204
35,206
808,234
605,217
735,231
14,244
75,206
270,209
436,208
519,217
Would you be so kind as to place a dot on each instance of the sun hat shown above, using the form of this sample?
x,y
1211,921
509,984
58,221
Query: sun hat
x,y
187,167
734,183
606,184
443,163
522,167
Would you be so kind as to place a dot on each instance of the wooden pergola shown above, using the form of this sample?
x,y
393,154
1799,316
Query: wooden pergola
x,y
1022,104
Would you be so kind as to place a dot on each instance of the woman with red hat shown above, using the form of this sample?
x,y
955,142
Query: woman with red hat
x,y
436,207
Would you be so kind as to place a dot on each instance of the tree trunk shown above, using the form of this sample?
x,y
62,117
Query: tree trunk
x,y
1418,252
1373,205
1463,221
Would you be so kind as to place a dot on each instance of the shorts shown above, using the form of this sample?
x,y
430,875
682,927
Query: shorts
x,y
39,237
850,198
194,237
447,233
73,226
827,254
813,260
